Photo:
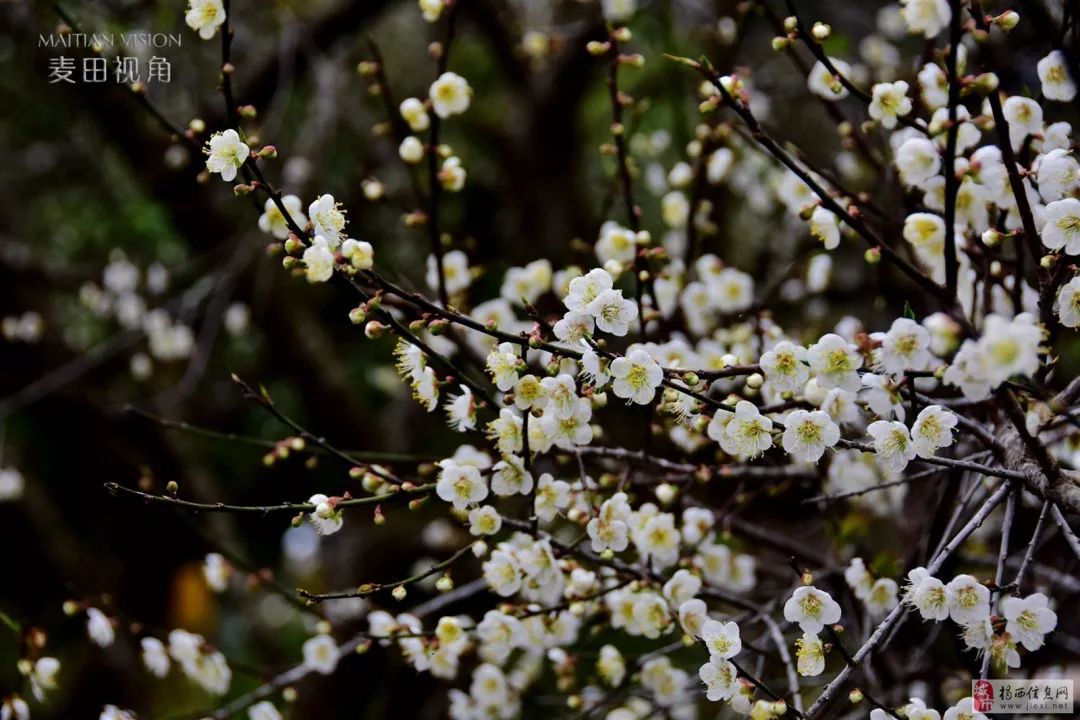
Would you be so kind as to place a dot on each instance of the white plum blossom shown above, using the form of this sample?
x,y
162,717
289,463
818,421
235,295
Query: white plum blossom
x,y
273,221
969,600
807,434
636,377
918,160
889,102
811,609
823,83
326,517
1067,305
99,627
618,10
1061,229
1028,620
327,220
226,153
358,253
927,594
414,113
882,597
932,430
613,313
1058,175
583,289
1055,79
720,679
509,477
809,655
318,261
906,346
552,496
450,95
785,368
825,227
1025,118
264,710
321,654
926,17
502,364
964,709
732,290
721,639
455,275
155,657
484,520
892,444
460,485
411,150
205,17
216,570
502,573
746,433
835,363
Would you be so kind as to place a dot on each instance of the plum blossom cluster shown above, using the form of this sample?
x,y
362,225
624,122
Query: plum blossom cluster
x,y
1016,622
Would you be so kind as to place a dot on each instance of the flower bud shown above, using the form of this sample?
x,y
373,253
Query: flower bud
x,y
399,593
268,151
855,696
821,31
374,329
1007,20
622,34
791,23
597,48
781,43
872,255
357,316
444,584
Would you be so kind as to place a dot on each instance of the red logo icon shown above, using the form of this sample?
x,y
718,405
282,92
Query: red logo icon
x,y
983,696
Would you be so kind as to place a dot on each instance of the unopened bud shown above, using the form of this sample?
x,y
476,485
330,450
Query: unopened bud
x,y
268,151
172,488
1047,261
444,584
855,696
374,329
1007,20
872,255
781,43
821,31
791,23
622,34
597,48
399,593
247,111
755,381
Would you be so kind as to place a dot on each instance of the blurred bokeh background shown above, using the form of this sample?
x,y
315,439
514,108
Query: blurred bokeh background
x,y
95,195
